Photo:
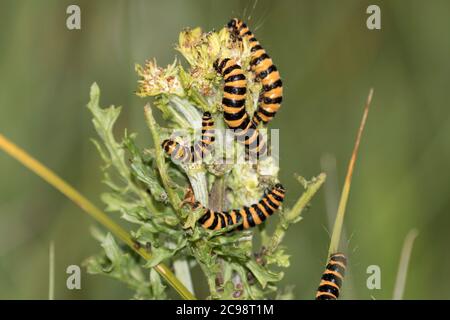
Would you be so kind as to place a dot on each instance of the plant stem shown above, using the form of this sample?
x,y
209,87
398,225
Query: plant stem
x,y
87,206
338,223
51,271
295,212
216,203
400,281
182,122
197,179
217,197
189,112
160,162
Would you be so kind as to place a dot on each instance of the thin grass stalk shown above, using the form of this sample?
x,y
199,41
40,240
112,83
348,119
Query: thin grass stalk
x,y
51,271
87,206
338,223
402,272
295,212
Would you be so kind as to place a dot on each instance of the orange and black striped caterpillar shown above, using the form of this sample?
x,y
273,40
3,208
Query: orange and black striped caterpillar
x,y
246,217
264,69
331,281
196,152
234,112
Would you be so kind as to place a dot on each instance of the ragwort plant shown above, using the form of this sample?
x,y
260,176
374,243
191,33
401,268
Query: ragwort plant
x,y
148,189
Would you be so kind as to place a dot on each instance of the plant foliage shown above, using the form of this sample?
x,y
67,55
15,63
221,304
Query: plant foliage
x,y
147,189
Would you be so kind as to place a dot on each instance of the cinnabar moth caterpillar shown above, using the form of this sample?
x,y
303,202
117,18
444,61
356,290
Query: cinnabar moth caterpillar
x,y
247,217
233,103
331,281
265,71
196,152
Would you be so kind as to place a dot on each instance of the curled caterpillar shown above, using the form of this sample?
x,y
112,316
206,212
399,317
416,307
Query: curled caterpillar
x,y
233,102
196,152
264,69
248,216
331,281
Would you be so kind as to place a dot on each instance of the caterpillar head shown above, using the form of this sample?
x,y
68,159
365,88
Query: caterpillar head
x,y
196,205
233,24
218,65
340,257
167,145
280,187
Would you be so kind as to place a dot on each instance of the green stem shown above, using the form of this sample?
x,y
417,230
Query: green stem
x,y
160,162
51,272
182,122
88,207
189,112
402,272
339,221
217,198
294,214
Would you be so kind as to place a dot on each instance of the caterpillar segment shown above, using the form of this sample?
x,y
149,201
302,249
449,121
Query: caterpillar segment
x,y
265,71
234,112
246,217
331,281
195,153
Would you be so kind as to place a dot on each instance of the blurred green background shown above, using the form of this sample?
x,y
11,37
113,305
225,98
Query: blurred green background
x,y
328,60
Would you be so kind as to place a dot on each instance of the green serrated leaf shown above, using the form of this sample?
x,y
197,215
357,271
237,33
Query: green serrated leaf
x,y
279,257
158,288
102,153
162,253
104,120
191,217
262,274
112,250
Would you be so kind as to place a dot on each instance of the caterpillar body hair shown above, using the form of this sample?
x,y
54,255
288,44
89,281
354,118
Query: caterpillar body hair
x,y
264,69
233,103
245,217
199,150
331,281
